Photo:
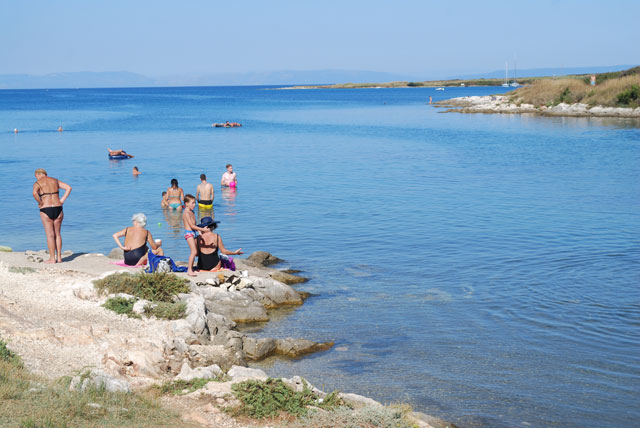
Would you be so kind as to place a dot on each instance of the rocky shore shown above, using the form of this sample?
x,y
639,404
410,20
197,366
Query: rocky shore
x,y
52,316
503,104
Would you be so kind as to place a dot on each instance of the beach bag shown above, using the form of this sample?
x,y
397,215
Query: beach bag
x,y
226,262
162,264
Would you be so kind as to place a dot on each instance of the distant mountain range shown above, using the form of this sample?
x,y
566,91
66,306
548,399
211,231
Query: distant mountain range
x,y
86,79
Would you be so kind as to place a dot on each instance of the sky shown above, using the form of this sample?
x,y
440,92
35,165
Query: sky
x,y
160,37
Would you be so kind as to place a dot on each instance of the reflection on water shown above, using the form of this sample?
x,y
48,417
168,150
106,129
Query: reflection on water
x,y
229,197
174,220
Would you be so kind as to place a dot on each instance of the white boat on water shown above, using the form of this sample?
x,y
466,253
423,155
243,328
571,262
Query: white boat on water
x,y
515,83
440,89
506,75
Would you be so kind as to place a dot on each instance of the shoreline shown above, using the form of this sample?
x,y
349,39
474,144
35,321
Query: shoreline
x,y
52,317
502,104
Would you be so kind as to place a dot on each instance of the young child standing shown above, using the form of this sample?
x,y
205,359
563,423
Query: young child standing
x,y
191,230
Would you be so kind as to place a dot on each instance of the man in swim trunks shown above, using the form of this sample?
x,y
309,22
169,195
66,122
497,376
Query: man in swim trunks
x,y
204,192
191,230
229,177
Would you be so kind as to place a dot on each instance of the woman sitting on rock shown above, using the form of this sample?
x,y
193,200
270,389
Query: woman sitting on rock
x,y
135,242
208,244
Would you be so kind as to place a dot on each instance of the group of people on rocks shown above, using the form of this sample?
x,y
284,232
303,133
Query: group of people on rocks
x,y
201,238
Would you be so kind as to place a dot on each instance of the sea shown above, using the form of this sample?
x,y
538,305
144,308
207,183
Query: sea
x,y
484,269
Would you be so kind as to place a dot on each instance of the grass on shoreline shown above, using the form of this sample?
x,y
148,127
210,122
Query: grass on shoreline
x,y
27,401
614,92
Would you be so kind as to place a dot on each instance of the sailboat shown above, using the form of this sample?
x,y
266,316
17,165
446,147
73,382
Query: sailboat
x,y
506,75
514,84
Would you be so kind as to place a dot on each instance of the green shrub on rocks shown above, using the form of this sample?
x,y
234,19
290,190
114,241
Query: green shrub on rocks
x,y
261,399
157,287
161,310
121,305
629,96
167,311
178,387
8,356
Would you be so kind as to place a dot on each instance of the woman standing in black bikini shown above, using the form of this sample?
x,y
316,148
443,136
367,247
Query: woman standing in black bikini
x,y
209,244
46,191
136,237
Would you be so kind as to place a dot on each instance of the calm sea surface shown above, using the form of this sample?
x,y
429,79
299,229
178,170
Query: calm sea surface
x,y
484,268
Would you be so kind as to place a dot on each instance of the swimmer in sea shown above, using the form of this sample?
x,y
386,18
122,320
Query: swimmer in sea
x,y
165,201
119,152
204,192
229,177
175,195
60,129
135,171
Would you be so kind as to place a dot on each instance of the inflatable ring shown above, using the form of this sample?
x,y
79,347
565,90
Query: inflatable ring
x,y
118,157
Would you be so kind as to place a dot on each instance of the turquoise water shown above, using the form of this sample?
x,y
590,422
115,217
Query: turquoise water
x,y
484,268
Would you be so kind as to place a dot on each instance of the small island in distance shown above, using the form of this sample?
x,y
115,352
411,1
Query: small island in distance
x,y
614,94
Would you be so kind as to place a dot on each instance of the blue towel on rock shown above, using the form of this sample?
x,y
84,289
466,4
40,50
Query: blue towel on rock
x,y
153,261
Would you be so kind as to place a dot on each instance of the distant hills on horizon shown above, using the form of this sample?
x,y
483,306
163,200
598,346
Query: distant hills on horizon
x,y
121,79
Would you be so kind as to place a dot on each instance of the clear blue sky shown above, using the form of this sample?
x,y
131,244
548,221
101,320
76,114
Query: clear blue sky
x,y
195,36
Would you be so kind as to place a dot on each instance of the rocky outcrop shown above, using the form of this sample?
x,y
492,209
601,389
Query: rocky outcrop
x,y
116,253
262,258
98,379
503,104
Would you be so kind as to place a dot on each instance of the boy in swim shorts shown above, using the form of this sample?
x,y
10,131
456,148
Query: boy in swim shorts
x,y
191,230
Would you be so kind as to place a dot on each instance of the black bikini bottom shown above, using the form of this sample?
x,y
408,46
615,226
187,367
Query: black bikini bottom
x,y
52,212
132,257
205,202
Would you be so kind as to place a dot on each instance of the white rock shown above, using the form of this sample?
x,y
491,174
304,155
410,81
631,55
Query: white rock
x,y
239,374
358,401
99,379
187,373
139,306
85,291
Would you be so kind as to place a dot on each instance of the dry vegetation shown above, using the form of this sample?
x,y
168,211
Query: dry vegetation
x,y
621,91
27,401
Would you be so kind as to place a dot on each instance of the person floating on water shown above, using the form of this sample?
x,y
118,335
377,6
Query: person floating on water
x,y
204,193
119,152
135,171
175,195
136,238
229,178
191,230
209,244
46,192
227,124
